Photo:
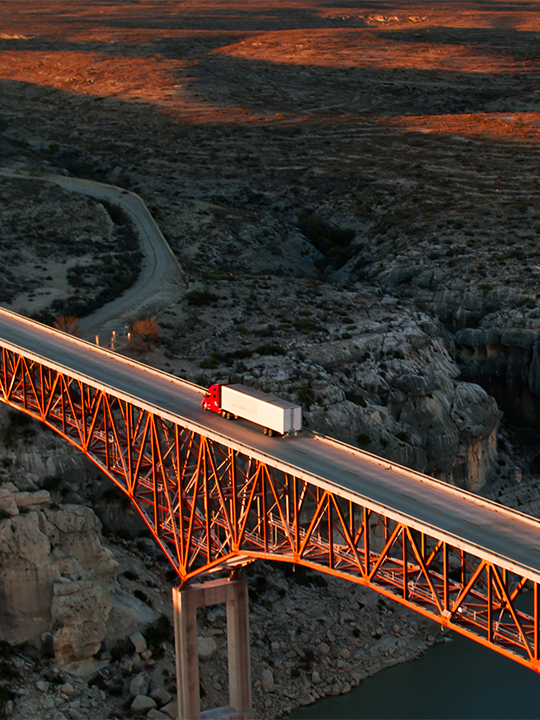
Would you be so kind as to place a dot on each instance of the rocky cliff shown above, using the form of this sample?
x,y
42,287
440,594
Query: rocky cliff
x,y
58,580
394,389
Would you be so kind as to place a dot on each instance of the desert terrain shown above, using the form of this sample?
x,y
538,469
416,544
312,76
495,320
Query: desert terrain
x,y
352,192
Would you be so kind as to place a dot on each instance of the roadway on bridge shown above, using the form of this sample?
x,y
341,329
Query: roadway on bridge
x,y
467,521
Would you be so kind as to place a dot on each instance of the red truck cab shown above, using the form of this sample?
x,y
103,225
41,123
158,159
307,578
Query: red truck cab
x,y
212,398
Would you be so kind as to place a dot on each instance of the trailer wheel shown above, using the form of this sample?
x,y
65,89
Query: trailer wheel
x,y
223,414
265,431
236,417
270,432
228,416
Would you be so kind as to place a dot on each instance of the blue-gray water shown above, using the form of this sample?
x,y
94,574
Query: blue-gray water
x,y
452,680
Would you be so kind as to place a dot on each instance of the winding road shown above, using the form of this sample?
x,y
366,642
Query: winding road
x,y
161,281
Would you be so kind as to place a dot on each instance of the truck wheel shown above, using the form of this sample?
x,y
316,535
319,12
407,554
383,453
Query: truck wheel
x,y
223,414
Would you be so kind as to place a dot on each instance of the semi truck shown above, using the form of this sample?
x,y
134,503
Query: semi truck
x,y
277,416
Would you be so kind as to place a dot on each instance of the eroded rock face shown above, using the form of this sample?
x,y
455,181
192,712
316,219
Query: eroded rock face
x,y
55,575
79,611
505,352
393,390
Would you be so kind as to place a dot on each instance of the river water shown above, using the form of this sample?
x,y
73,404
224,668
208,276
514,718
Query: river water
x,y
461,679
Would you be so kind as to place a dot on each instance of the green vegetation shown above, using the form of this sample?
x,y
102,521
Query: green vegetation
x,y
115,496
403,435
330,240
270,349
198,298
355,397
143,597
121,649
51,483
156,633
227,358
20,427
306,396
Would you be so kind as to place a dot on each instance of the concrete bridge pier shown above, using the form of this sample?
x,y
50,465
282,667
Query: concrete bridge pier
x,y
186,600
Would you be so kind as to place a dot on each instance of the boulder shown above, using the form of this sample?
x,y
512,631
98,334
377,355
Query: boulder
x,y
128,615
139,685
161,695
142,704
206,647
31,499
267,680
7,501
171,709
139,643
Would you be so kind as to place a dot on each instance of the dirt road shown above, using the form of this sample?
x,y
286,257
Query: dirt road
x,y
162,279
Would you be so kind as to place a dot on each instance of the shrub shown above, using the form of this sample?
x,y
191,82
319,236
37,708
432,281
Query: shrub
x,y
269,349
306,396
330,240
121,648
20,426
143,597
200,297
403,435
6,650
355,397
51,483
158,632
68,324
145,332
485,287
47,647
212,362
115,496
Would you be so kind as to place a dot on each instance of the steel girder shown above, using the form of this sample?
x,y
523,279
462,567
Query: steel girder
x,y
212,508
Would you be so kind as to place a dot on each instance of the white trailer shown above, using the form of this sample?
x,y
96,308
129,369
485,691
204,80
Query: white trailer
x,y
273,413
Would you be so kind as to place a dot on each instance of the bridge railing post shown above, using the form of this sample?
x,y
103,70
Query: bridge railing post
x,y
186,600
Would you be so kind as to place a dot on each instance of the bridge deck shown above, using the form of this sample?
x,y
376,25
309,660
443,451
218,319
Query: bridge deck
x,y
486,529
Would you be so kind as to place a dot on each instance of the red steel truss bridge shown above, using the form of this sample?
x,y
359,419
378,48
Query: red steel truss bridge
x,y
218,494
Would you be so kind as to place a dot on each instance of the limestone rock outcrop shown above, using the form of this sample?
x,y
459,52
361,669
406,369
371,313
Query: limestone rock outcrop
x,y
58,580
80,611
394,390
47,555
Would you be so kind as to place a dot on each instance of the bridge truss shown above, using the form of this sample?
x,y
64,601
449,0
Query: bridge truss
x,y
212,508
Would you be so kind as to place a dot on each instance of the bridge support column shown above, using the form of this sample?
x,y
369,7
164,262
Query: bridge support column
x,y
185,603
